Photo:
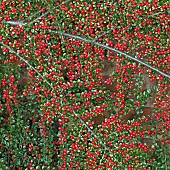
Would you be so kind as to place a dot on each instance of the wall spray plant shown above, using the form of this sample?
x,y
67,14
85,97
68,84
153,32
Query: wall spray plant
x,y
84,85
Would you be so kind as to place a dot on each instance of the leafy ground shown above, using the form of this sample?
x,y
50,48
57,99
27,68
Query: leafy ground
x,y
84,84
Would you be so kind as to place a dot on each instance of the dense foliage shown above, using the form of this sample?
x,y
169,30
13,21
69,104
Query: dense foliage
x,y
66,102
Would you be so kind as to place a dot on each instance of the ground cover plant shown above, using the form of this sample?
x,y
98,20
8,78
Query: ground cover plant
x,y
84,84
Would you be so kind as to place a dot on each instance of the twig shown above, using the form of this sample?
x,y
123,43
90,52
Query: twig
x,y
48,12
89,129
27,63
14,23
36,13
154,14
21,23
111,49
151,15
91,132
53,89
95,39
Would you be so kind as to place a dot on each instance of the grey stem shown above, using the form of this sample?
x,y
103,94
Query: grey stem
x,y
46,13
91,132
27,63
21,23
111,49
53,89
95,39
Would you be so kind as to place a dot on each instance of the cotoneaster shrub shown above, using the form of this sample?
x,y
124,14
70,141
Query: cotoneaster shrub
x,y
71,104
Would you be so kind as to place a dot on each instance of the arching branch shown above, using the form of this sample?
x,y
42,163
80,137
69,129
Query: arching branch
x,y
53,89
111,49
22,23
1,43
